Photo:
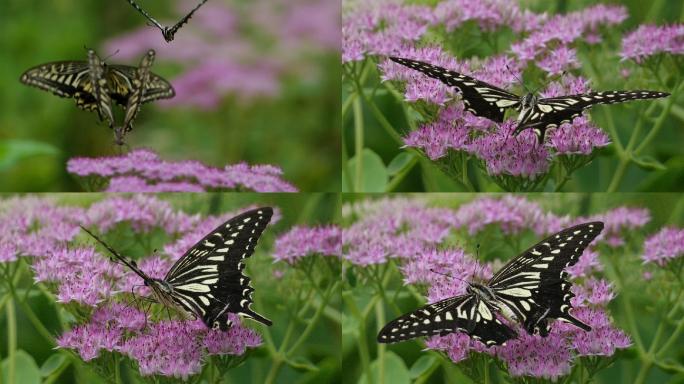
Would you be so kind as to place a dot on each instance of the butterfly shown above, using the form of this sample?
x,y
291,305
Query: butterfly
x,y
207,281
539,114
167,32
94,84
532,289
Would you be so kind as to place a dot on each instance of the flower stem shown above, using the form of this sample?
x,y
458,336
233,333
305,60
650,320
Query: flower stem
x,y
362,344
358,145
11,341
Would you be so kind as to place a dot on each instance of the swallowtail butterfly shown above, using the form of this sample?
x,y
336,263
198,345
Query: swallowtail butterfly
x,y
207,281
167,32
532,289
94,84
538,114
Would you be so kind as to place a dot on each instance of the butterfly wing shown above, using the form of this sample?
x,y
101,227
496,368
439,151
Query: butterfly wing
x,y
121,85
65,79
534,286
168,34
98,87
465,313
480,98
208,280
554,111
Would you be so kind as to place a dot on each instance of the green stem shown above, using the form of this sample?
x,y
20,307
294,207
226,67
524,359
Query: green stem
x,y
380,319
314,320
660,122
11,341
358,145
399,177
362,344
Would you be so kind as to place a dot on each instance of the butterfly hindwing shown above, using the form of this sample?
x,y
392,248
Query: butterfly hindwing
x,y
99,89
138,84
480,98
208,279
465,313
534,285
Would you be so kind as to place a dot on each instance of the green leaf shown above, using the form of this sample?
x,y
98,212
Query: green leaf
x,y
14,151
26,369
648,163
399,162
421,366
52,364
395,371
350,326
374,177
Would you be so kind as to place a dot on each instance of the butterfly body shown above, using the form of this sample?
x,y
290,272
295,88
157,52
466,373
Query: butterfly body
x,y
208,282
535,113
532,289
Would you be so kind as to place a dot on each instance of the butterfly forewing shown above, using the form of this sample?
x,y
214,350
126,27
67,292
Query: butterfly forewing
x,y
480,98
208,280
465,313
64,79
554,111
534,285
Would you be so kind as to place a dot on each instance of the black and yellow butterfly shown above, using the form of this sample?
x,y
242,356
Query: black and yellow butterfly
x,y
95,84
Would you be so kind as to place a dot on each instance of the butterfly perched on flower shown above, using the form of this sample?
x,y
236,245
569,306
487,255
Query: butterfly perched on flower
x,y
535,113
208,282
531,289
94,84
167,32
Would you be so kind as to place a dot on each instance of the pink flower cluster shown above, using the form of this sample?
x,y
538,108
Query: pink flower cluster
x,y
303,241
664,246
649,40
168,348
142,170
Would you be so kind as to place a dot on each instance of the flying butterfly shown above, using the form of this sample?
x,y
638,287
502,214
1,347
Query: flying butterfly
x,y
207,281
539,114
167,32
532,289
94,84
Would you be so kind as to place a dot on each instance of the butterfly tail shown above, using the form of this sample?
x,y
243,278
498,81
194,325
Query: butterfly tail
x,y
256,317
569,319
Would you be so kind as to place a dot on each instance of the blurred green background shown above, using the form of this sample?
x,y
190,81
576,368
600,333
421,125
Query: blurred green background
x,y
273,297
388,168
298,129
641,306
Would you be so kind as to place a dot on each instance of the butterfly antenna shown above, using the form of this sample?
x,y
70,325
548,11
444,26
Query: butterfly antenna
x,y
448,275
112,55
517,78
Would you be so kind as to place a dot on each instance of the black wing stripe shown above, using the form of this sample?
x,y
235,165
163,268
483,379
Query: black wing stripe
x,y
480,98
